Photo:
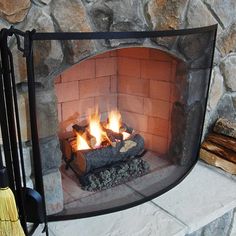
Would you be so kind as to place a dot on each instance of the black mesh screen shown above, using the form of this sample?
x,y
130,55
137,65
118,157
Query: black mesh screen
x,y
192,53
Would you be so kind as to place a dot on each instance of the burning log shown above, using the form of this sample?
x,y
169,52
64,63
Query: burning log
x,y
83,131
126,128
91,140
79,129
101,144
87,160
113,136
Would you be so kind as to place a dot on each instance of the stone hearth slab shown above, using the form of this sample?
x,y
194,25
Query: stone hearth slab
x,y
202,197
145,219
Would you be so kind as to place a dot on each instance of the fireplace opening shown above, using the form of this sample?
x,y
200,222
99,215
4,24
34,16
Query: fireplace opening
x,y
117,114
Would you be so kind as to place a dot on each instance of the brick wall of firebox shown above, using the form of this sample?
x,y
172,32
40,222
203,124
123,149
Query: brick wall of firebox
x,y
140,82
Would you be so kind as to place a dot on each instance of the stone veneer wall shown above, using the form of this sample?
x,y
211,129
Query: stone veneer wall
x,y
119,15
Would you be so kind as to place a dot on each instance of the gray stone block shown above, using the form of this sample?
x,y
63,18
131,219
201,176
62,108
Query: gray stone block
x,y
228,69
197,85
51,155
27,161
226,41
233,228
216,89
234,100
128,11
185,132
48,55
122,27
41,2
53,192
47,117
165,15
101,16
73,19
219,227
198,15
224,10
226,108
194,46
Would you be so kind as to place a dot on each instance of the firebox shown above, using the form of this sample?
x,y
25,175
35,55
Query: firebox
x,y
119,126
125,115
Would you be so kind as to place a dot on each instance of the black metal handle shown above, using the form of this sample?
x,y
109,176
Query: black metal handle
x,y
18,130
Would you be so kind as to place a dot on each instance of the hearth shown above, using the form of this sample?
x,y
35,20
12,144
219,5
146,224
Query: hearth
x,y
118,127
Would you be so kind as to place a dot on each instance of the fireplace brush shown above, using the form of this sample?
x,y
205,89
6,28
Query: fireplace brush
x,y
9,219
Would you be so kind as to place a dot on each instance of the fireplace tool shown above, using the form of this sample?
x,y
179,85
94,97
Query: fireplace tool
x,y
9,220
29,201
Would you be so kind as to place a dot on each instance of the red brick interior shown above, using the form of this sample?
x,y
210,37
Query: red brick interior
x,y
140,82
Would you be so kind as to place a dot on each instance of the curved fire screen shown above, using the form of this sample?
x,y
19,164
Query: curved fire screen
x,y
121,124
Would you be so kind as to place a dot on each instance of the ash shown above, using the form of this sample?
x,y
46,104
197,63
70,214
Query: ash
x,y
115,175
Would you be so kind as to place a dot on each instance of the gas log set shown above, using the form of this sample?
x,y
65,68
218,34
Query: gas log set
x,y
104,154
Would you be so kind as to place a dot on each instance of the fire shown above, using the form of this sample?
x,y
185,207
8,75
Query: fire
x,y
114,121
95,128
125,135
81,143
96,132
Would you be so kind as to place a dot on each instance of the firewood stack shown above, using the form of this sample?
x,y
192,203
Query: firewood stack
x,y
219,147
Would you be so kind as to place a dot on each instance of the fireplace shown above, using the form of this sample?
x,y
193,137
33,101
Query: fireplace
x,y
137,84
159,93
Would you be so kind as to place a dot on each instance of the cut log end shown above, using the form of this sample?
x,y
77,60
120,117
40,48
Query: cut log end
x,y
217,161
219,150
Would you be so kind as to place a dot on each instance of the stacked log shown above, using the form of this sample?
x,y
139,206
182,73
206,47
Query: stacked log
x,y
219,147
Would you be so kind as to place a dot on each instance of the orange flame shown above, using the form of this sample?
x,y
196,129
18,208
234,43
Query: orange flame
x,y
95,128
81,143
114,121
